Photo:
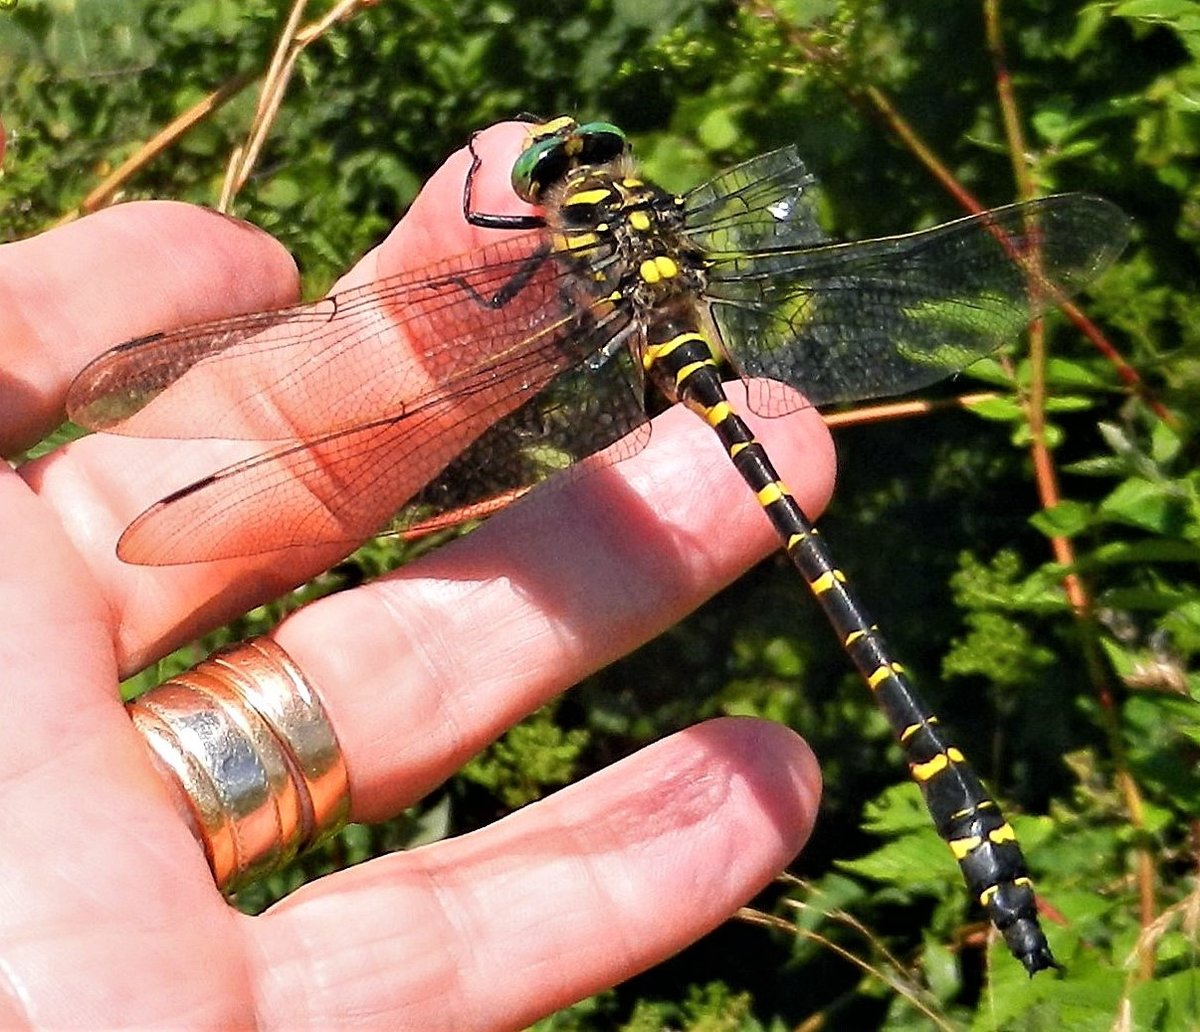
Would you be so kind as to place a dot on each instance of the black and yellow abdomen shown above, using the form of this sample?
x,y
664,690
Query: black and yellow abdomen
x,y
680,360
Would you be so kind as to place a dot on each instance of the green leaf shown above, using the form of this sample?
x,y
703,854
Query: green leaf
x,y
1166,443
1158,10
917,860
281,192
1066,519
1150,600
1002,409
1067,374
1052,435
1155,507
1155,550
897,808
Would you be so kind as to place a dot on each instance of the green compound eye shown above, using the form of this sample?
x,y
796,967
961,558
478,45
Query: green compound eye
x,y
531,170
559,146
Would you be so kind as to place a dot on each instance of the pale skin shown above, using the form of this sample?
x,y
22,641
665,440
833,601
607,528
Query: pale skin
x,y
110,916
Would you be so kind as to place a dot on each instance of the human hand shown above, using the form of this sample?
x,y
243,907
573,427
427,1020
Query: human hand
x,y
111,915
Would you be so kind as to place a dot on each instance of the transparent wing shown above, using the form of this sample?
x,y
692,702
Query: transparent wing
x,y
842,322
357,357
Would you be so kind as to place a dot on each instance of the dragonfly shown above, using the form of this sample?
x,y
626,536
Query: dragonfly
x,y
440,391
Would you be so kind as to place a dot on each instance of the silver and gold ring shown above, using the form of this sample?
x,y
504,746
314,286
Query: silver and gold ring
x,y
254,761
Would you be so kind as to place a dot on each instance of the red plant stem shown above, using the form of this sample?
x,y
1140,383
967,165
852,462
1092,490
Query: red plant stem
x,y
1046,476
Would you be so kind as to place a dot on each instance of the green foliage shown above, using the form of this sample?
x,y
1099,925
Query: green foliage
x,y
534,755
1084,723
704,1008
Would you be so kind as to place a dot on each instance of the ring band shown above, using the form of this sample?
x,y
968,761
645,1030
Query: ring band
x,y
254,760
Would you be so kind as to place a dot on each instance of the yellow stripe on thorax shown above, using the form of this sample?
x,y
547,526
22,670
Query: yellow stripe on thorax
x,y
600,193
552,128
575,241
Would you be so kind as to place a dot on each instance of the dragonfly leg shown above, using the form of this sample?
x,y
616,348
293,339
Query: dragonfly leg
x,y
514,285
487,220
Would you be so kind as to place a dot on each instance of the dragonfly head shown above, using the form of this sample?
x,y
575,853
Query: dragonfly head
x,y
560,145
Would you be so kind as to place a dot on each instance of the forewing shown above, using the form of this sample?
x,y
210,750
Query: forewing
x,y
842,322
356,357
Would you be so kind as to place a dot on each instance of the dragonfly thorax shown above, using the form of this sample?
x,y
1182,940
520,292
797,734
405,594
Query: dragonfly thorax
x,y
626,236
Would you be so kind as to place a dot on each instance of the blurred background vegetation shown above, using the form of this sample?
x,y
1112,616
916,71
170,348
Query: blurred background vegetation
x,y
1074,697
